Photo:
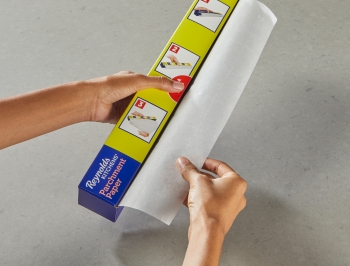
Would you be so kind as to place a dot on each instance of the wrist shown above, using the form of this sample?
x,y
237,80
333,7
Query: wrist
x,y
207,229
205,243
85,97
206,226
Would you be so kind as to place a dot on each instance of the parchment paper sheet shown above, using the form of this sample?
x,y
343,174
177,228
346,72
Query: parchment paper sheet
x,y
158,189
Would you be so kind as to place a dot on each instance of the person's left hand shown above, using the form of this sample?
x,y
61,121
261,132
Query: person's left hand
x,y
112,94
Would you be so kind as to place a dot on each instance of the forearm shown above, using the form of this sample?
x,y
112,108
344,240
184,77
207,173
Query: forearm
x,y
29,115
205,244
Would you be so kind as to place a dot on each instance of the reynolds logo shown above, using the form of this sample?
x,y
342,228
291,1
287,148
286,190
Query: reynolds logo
x,y
96,179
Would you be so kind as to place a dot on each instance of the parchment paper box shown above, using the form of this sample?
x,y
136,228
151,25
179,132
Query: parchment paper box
x,y
128,145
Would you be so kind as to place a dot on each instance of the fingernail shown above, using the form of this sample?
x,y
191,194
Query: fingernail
x,y
181,162
178,85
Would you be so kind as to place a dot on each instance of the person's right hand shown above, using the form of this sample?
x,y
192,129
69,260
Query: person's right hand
x,y
203,8
216,201
173,59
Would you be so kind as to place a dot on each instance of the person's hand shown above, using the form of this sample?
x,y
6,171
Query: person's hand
x,y
101,99
214,204
203,8
214,201
137,113
141,133
144,134
173,59
111,95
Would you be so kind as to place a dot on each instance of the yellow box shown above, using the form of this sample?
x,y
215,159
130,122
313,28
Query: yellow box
x,y
128,145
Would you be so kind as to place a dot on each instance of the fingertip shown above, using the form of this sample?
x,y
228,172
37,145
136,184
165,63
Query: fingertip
x,y
217,167
181,163
178,86
187,169
161,83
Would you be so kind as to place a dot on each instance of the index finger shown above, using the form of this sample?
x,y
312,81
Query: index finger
x,y
217,167
161,83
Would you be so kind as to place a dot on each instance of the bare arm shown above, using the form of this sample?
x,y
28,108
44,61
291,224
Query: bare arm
x,y
205,244
103,99
32,114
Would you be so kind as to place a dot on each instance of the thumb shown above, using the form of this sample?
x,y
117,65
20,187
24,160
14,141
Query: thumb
x,y
187,169
161,83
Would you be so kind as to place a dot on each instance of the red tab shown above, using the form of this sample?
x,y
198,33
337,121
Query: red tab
x,y
183,79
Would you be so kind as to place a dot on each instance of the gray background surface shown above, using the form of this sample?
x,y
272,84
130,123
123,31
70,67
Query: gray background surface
x,y
288,137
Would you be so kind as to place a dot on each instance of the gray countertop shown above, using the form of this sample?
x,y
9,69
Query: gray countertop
x,y
288,137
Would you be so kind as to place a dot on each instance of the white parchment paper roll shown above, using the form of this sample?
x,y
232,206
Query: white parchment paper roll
x,y
159,189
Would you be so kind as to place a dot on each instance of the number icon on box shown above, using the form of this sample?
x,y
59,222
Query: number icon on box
x,y
174,48
206,1
140,104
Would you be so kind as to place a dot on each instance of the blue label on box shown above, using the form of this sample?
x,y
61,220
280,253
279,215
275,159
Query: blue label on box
x,y
110,175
